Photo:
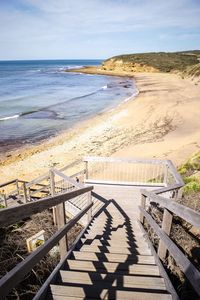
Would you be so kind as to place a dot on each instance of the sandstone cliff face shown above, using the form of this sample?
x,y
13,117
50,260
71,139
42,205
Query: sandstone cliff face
x,y
119,65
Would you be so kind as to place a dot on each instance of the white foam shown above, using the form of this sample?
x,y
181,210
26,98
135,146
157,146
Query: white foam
x,y
136,92
10,117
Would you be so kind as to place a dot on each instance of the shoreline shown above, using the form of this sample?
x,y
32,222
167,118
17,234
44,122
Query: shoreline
x,y
151,125
8,147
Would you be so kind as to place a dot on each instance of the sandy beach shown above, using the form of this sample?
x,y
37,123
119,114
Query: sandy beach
x,y
161,122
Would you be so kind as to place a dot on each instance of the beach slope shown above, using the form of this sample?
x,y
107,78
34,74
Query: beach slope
x,y
162,121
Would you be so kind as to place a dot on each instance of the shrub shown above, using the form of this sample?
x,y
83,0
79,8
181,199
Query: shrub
x,y
192,186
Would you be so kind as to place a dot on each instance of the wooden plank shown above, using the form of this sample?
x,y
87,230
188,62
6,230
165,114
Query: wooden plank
x,y
128,267
24,192
105,293
114,257
76,162
11,215
46,175
186,266
166,227
116,249
166,189
163,272
68,179
113,235
59,216
37,180
186,213
94,278
40,190
78,173
89,201
61,221
41,294
7,183
143,204
13,277
112,243
176,175
49,296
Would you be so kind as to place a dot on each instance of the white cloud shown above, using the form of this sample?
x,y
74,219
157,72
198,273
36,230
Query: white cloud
x,y
59,23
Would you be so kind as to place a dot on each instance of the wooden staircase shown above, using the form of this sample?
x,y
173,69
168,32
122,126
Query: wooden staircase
x,y
112,261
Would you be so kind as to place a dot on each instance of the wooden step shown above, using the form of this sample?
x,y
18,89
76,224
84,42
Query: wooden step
x,y
116,222
112,231
123,281
114,257
60,292
107,236
112,242
115,225
123,268
123,250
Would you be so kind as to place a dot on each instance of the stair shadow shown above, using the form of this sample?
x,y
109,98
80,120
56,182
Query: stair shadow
x,y
98,283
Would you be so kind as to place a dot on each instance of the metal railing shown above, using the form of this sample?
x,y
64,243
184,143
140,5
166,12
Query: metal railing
x,y
138,172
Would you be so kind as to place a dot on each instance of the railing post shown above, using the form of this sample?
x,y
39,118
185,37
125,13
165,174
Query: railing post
x,y
17,186
59,217
5,200
29,193
166,227
179,193
166,174
143,204
61,221
86,169
90,210
24,192
52,192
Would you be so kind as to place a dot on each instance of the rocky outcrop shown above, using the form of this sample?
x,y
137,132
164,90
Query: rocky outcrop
x,y
119,65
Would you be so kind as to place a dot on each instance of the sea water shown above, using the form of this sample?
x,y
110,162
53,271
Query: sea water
x,y
38,99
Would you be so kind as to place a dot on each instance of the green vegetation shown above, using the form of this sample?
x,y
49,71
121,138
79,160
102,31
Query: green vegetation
x,y
190,172
162,61
2,206
192,70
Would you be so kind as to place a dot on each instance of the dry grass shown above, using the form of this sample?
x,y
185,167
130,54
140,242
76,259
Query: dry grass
x,y
187,238
13,250
184,235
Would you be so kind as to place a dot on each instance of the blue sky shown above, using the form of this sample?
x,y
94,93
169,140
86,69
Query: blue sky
x,y
50,29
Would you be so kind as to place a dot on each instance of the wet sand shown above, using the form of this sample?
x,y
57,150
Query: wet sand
x,y
161,122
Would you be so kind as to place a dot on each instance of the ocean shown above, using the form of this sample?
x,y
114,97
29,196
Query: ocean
x,y
38,99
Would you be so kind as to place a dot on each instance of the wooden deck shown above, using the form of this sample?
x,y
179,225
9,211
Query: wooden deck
x,y
113,260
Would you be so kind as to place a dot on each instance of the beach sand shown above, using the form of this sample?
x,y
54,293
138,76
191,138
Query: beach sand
x,y
163,121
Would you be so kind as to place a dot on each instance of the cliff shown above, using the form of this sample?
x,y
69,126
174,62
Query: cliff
x,y
152,62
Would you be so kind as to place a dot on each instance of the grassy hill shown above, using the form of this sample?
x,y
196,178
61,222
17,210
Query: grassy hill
x,y
160,61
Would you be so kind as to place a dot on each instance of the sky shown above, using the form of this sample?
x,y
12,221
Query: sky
x,y
96,29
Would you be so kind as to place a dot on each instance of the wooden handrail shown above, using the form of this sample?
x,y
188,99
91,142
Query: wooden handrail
x,y
184,212
11,215
166,188
124,160
187,267
68,179
46,175
176,175
12,278
78,161
8,183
